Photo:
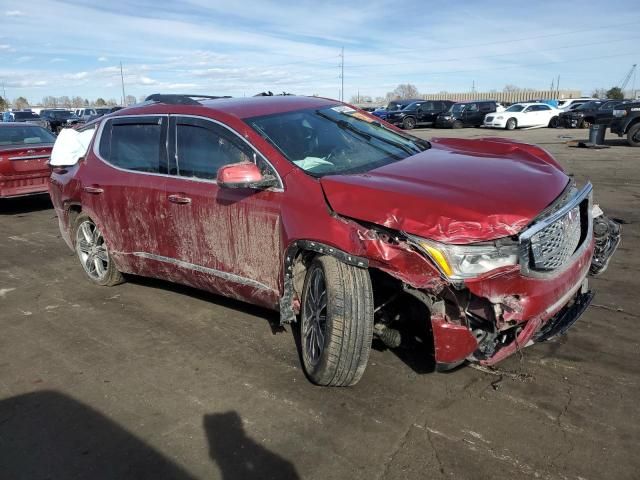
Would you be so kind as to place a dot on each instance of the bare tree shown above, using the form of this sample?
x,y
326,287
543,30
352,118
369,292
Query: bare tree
x,y
77,102
21,103
112,102
64,101
4,104
130,100
405,90
49,101
509,88
599,93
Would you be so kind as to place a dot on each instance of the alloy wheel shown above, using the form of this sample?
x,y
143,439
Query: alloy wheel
x,y
314,318
92,250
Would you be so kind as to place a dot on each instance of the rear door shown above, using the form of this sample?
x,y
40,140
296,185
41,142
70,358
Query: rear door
x,y
225,240
471,114
123,187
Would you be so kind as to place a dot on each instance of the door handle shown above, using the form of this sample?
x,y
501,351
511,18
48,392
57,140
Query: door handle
x,y
94,189
179,199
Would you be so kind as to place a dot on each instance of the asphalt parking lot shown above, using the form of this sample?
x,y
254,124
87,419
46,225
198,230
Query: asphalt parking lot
x,y
153,380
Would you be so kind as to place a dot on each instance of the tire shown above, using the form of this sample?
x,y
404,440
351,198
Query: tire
x,y
633,135
409,123
585,123
457,124
93,253
554,122
336,333
511,124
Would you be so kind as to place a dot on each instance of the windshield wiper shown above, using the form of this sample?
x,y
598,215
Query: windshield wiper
x,y
368,136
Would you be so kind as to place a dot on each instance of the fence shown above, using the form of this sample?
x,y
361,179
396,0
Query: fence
x,y
506,97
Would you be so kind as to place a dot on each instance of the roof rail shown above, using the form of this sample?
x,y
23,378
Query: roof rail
x,y
179,99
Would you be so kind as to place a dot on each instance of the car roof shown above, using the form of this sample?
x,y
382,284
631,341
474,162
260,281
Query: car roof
x,y
241,107
17,124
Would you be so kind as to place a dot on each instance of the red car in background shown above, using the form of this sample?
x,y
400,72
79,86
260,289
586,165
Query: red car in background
x,y
339,221
24,153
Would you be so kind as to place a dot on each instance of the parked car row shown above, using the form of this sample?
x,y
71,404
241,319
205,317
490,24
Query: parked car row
x,y
55,119
569,113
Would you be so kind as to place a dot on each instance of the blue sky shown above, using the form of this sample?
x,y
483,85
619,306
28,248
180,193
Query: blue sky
x,y
242,47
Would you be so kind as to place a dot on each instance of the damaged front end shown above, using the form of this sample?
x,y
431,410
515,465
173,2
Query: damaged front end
x,y
486,301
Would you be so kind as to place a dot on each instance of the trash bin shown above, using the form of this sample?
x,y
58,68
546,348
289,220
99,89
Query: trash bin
x,y
596,134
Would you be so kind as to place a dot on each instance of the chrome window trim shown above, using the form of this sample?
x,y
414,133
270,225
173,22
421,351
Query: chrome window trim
x,y
29,157
210,271
525,237
98,137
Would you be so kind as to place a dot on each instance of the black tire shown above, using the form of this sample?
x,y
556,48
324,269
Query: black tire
x,y
409,123
109,275
347,323
457,124
633,135
585,123
554,122
511,124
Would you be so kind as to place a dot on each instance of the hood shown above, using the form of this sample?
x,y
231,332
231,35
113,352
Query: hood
x,y
460,191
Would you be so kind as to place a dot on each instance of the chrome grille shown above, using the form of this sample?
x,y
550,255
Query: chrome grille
x,y
552,246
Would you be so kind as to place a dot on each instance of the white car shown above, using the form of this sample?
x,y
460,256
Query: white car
x,y
524,115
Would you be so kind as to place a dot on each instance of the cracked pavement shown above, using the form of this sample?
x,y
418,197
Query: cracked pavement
x,y
153,380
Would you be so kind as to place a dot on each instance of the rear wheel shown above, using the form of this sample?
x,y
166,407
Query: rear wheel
x,y
586,123
511,124
457,124
93,253
554,122
336,322
633,135
409,123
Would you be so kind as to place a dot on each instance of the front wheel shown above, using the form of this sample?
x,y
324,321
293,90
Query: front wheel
x,y
633,135
409,123
511,124
93,253
554,122
585,123
336,322
457,124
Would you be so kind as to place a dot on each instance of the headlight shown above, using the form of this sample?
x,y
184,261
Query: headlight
x,y
619,113
458,262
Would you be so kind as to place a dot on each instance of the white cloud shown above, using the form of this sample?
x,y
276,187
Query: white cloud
x,y
24,59
13,13
57,60
103,59
76,76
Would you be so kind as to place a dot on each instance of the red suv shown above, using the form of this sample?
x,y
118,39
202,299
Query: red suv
x,y
319,210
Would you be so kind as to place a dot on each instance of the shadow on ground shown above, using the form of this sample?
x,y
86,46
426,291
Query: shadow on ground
x,y
18,205
48,435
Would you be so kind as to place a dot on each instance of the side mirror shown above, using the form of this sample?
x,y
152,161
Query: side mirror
x,y
244,175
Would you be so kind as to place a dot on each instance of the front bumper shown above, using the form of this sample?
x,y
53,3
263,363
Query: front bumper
x,y
444,123
495,124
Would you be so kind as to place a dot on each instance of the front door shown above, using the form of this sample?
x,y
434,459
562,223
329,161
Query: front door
x,y
224,240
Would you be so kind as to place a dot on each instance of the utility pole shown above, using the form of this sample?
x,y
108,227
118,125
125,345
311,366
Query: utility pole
x,y
558,87
342,75
124,98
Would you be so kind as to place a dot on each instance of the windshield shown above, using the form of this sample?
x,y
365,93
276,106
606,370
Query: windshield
x,y
334,140
457,107
25,135
102,110
25,116
60,114
589,105
515,108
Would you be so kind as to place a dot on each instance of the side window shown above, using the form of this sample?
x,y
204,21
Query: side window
x,y
544,107
135,144
202,147
486,107
427,107
472,108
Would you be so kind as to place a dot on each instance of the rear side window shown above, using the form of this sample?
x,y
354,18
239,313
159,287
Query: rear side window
x,y
135,144
487,107
202,147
